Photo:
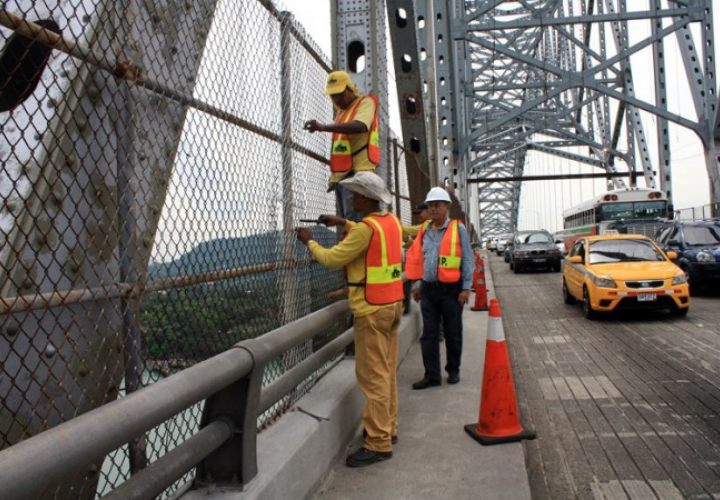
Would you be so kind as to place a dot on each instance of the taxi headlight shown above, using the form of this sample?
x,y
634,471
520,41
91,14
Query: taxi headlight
x,y
604,282
679,279
705,257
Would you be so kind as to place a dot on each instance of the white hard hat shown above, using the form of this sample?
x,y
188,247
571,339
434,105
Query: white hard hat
x,y
369,185
437,194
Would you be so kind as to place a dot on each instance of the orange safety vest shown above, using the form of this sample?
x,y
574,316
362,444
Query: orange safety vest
x,y
341,153
383,261
449,256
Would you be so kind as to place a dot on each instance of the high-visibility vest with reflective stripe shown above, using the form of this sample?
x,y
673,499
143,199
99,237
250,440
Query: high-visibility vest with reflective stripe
x,y
341,153
449,255
374,137
383,260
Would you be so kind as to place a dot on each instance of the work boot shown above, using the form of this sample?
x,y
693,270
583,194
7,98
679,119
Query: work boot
x,y
425,383
364,457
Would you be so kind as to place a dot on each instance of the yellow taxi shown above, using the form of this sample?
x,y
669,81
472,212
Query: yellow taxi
x,y
623,271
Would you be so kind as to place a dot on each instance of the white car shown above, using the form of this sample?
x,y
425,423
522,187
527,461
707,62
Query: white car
x,y
502,243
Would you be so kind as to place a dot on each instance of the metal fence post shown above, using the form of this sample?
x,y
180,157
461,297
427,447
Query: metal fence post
x,y
235,462
396,160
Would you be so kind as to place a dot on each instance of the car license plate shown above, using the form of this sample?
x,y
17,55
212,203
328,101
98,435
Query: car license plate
x,y
646,297
538,260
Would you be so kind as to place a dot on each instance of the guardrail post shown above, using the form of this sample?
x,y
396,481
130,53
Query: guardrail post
x,y
235,462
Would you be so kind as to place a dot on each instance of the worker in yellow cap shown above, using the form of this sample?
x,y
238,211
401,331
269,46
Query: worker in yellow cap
x,y
355,135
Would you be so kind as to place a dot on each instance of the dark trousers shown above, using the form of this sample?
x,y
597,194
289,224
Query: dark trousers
x,y
440,303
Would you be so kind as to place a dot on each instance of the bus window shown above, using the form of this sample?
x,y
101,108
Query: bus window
x,y
617,211
650,209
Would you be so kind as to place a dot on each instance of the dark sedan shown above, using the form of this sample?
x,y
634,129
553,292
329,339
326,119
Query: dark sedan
x,y
697,244
534,249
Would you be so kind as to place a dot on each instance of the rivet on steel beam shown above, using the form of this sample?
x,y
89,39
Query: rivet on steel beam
x,y
50,351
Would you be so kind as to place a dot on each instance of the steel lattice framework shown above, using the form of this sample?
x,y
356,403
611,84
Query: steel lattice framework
x,y
557,76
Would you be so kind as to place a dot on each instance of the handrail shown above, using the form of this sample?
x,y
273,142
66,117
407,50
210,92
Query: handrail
x,y
36,464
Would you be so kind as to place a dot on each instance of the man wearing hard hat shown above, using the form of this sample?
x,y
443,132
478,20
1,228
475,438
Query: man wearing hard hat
x,y
355,134
441,256
372,256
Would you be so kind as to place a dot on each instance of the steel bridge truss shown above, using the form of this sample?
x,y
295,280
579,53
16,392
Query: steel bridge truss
x,y
555,76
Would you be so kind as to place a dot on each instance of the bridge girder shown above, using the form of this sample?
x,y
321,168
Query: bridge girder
x,y
540,76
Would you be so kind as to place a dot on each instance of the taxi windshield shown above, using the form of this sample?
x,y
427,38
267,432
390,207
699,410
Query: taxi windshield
x,y
610,251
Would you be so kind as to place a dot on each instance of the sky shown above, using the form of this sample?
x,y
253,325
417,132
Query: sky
x,y
542,203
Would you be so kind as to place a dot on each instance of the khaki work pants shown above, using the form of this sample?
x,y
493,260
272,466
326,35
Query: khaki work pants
x,y
376,351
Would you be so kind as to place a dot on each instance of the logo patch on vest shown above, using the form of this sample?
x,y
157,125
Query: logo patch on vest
x,y
340,148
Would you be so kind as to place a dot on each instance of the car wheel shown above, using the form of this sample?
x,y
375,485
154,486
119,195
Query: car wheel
x,y
512,266
679,312
567,298
507,259
588,311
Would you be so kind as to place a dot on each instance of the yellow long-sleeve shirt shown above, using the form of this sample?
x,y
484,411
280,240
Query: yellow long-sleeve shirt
x,y
350,252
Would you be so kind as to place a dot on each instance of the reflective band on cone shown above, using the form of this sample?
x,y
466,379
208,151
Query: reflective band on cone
x,y
499,421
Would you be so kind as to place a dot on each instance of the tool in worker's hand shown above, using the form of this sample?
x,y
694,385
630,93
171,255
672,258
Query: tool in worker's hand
x,y
312,221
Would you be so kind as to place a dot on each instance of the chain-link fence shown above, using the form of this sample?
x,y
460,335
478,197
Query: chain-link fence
x,y
154,169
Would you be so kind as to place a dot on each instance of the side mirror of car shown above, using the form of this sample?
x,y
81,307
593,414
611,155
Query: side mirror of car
x,y
576,259
672,255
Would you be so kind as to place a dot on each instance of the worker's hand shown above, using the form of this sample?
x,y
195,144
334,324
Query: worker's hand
x,y
464,297
314,126
417,294
339,294
304,235
331,220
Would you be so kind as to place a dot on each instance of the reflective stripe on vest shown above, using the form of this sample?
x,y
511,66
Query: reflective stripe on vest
x,y
449,255
341,153
374,138
383,260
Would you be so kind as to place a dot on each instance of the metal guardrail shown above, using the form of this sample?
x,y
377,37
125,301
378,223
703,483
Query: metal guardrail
x,y
224,449
703,212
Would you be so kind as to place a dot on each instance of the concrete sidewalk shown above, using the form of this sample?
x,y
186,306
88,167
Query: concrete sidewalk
x,y
435,458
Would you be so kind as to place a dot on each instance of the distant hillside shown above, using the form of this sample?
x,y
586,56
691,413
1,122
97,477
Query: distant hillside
x,y
231,253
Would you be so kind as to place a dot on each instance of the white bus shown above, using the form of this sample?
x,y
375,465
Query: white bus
x,y
623,211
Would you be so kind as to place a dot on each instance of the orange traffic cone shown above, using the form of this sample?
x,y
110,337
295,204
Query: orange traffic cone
x,y
481,302
499,419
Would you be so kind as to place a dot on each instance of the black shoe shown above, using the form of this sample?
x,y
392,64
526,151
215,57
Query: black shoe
x,y
393,439
453,378
364,457
425,383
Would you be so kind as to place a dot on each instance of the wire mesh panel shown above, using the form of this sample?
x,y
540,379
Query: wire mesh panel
x,y
155,167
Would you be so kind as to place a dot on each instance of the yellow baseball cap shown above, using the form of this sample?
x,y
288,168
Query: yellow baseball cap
x,y
337,81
